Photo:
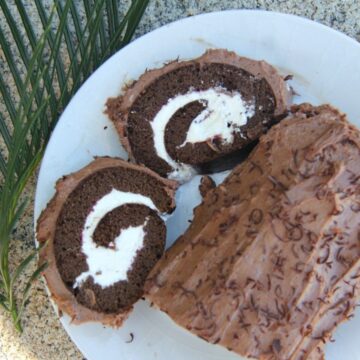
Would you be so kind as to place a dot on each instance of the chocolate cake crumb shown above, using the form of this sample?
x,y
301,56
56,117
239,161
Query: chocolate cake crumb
x,y
206,184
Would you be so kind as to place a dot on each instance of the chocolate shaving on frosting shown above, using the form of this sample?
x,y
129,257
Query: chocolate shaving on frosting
x,y
289,259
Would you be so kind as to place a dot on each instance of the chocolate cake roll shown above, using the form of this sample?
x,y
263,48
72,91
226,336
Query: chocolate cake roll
x,y
104,232
270,264
187,114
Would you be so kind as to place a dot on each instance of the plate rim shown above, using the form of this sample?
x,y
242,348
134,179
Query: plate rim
x,y
293,17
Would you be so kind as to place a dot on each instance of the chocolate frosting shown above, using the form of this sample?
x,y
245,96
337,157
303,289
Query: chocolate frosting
x,y
270,265
45,233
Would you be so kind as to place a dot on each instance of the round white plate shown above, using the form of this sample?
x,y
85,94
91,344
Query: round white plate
x,y
326,68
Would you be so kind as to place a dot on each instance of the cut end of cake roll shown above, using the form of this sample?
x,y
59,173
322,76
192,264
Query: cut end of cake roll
x,y
103,232
270,264
190,113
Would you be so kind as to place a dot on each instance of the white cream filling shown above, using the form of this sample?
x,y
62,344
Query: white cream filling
x,y
225,112
223,116
109,265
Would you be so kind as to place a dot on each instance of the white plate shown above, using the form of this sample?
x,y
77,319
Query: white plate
x,y
326,68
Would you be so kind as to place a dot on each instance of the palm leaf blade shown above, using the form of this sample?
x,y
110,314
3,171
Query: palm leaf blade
x,y
45,20
67,36
21,47
35,275
85,65
112,17
23,265
3,302
78,29
2,164
10,107
102,35
5,133
27,119
15,33
33,43
118,40
11,62
135,15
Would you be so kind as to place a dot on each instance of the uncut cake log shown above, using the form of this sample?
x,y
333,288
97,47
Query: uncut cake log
x,y
103,232
188,114
270,264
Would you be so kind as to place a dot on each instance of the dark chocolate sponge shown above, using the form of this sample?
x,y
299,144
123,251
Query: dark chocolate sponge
x,y
132,113
62,224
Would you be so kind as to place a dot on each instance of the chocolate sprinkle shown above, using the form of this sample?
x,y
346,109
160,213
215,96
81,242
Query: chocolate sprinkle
x,y
131,338
285,269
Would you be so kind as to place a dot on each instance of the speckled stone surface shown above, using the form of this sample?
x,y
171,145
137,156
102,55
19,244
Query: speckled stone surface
x,y
43,336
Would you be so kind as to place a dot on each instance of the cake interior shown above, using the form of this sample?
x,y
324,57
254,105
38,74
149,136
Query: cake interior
x,y
194,77
70,259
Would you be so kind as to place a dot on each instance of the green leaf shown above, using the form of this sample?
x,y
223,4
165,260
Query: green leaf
x,y
118,40
15,33
25,295
10,59
18,40
18,213
94,16
56,62
4,131
2,164
78,29
35,275
112,17
92,25
67,34
102,36
3,302
59,66
134,16
10,106
20,128
33,43
24,264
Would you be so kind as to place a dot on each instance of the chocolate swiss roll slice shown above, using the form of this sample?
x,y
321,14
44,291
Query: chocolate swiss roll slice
x,y
104,232
270,264
186,115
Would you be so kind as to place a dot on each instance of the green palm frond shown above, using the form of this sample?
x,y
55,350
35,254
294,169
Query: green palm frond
x,y
46,68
